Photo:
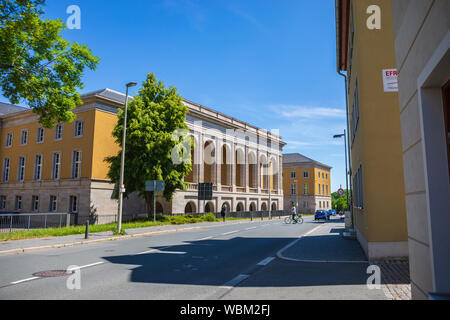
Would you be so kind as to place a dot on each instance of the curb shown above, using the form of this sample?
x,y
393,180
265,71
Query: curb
x,y
282,257
112,238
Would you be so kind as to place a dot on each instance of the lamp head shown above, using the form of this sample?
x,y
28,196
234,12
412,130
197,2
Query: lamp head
x,y
338,136
131,84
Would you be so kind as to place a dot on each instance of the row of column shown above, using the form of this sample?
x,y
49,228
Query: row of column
x,y
235,167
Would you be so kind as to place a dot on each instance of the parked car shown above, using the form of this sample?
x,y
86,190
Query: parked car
x,y
321,214
332,212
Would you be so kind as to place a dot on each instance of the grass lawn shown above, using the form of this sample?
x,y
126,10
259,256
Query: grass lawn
x,y
143,223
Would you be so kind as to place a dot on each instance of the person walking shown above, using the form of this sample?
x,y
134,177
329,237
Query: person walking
x,y
223,212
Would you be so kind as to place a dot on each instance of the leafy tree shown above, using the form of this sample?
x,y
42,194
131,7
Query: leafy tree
x,y
339,203
37,65
153,116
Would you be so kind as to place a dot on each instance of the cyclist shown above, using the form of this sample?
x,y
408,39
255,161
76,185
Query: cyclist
x,y
294,213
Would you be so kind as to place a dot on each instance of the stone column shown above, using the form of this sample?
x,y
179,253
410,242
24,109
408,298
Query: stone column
x,y
218,165
233,166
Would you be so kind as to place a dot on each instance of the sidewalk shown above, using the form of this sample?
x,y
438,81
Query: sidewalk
x,y
18,246
325,244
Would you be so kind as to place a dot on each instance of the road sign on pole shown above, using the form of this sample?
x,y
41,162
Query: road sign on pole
x,y
154,186
341,192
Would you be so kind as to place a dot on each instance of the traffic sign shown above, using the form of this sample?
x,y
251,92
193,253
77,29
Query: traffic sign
x,y
341,192
154,185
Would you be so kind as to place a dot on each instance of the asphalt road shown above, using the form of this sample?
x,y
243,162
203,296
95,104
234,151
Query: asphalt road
x,y
221,262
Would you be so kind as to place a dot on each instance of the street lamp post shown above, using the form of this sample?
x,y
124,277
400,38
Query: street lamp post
x,y
122,166
346,170
296,194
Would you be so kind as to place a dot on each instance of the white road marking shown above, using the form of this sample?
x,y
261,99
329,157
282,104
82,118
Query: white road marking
x,y
266,261
69,269
153,250
227,233
207,238
24,280
251,228
86,266
233,282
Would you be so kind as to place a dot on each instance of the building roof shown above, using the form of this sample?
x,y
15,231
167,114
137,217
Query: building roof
x,y
299,158
108,94
342,26
116,97
6,108
120,98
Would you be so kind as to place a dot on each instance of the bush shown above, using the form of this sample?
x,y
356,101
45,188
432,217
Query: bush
x,y
210,217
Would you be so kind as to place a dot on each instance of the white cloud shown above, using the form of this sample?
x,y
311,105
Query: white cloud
x,y
305,112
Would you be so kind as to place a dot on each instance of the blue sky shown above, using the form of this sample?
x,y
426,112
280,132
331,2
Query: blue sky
x,y
268,63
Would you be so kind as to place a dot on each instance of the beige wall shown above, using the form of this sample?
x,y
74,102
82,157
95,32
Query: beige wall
x,y
422,41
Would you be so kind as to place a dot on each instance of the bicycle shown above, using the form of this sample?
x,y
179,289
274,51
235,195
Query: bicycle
x,y
298,219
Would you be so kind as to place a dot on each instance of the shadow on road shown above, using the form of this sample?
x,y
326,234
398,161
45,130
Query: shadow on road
x,y
214,262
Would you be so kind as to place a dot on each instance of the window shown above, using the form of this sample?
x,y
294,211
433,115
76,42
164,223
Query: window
x,y
323,175
6,169
293,188
319,188
320,204
79,127
355,113
2,202
9,139
305,189
38,167
24,137
56,166
59,131
18,205
305,204
323,189
319,175
53,203
76,164
305,174
293,175
327,191
358,189
73,204
21,173
34,203
40,135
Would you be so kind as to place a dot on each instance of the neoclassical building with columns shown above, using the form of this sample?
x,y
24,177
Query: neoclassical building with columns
x,y
64,170
241,161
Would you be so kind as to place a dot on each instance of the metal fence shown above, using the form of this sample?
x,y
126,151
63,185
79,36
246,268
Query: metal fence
x,y
24,221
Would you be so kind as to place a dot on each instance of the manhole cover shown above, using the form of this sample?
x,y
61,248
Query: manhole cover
x,y
52,273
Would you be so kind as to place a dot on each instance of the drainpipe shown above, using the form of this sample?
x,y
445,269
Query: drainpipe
x,y
349,173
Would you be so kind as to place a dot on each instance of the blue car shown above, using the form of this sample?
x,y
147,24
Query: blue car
x,y
332,212
321,214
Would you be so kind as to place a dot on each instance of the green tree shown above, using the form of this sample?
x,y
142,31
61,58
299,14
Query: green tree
x,y
37,65
153,117
339,203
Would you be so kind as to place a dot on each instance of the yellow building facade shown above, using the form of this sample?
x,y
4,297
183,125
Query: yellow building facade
x,y
64,169
366,52
307,184
61,169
